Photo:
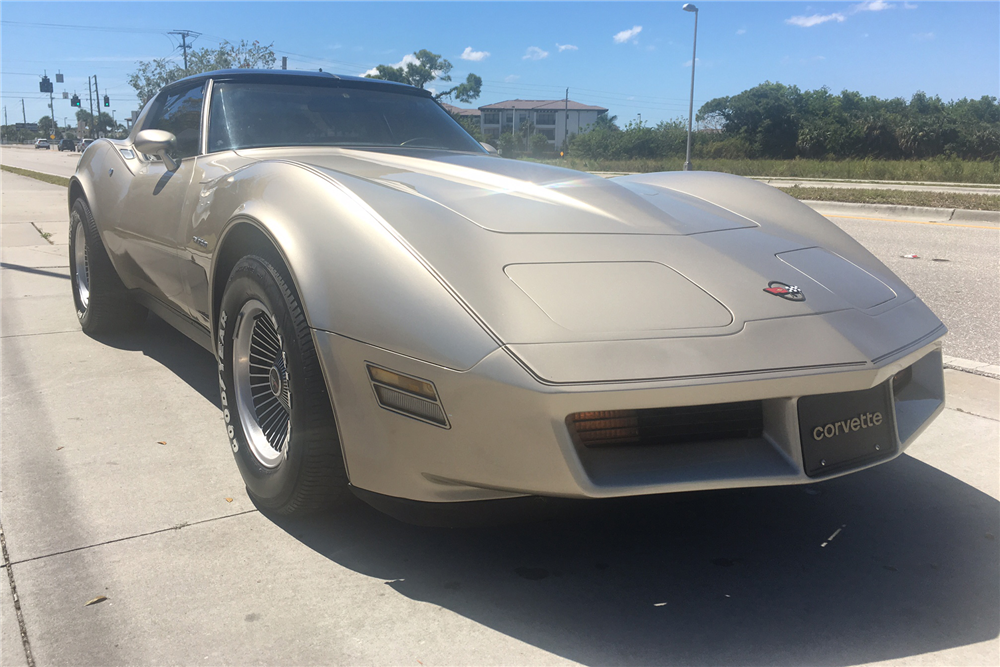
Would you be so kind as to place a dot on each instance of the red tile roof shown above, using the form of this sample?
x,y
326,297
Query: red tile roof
x,y
556,105
458,111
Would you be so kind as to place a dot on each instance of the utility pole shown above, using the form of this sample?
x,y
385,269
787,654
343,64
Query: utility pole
x,y
566,129
694,59
24,116
97,95
184,34
90,94
52,113
284,62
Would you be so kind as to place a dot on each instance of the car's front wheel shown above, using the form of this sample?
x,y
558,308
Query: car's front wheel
x,y
102,302
278,414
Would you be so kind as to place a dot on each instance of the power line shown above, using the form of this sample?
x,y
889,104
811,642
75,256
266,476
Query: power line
x,y
144,31
184,34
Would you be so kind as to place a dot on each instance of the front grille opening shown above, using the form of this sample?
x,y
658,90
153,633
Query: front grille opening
x,y
668,426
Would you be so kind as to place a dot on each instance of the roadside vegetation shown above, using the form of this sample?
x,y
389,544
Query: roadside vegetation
x,y
938,170
973,202
778,130
48,178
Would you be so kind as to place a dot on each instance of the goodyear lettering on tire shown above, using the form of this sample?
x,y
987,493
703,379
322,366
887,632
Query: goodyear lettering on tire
x,y
223,318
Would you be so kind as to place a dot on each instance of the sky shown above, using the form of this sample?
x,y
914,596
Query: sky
x,y
633,58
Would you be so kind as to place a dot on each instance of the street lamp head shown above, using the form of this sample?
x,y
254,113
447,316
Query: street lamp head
x,y
688,7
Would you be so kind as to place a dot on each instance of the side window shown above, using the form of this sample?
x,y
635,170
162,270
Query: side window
x,y
180,114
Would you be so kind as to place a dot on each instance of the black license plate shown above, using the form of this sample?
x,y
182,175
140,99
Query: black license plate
x,y
846,430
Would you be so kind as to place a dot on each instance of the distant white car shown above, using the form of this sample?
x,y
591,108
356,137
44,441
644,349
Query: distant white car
x,y
41,143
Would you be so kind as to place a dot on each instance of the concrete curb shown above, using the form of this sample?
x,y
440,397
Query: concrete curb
x,y
924,213
974,367
783,179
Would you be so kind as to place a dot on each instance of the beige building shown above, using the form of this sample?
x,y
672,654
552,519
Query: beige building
x,y
552,118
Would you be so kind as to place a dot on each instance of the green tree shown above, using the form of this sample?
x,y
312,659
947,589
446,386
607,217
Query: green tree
x,y
427,68
766,116
45,125
103,124
539,144
471,125
606,122
152,75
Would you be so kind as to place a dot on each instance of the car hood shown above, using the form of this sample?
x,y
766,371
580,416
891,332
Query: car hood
x,y
511,196
543,255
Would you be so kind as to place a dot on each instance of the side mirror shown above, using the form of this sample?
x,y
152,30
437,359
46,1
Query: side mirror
x,y
157,142
489,149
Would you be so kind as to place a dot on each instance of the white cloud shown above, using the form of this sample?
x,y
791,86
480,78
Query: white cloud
x,y
687,63
923,36
627,35
475,56
741,31
872,6
907,5
535,53
511,78
815,19
566,47
407,59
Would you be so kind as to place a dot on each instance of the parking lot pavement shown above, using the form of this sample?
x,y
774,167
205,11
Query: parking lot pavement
x,y
117,481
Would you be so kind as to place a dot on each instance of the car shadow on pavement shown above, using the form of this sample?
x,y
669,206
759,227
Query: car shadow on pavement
x,y
895,561
176,352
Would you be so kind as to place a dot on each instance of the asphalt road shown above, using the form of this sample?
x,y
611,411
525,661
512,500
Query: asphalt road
x,y
955,273
116,481
46,161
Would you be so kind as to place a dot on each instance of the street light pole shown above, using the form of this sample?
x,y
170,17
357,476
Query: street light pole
x,y
694,57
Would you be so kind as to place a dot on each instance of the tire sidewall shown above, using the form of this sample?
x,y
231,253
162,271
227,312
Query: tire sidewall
x,y
80,215
252,278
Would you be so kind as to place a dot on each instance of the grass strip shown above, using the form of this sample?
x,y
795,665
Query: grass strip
x,y
48,178
938,170
973,202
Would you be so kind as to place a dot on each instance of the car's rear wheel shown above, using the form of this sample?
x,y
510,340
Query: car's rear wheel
x,y
278,414
102,302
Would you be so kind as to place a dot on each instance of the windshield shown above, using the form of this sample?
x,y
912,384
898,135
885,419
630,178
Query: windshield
x,y
255,115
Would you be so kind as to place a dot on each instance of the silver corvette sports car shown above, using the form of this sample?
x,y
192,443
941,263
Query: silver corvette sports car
x,y
396,310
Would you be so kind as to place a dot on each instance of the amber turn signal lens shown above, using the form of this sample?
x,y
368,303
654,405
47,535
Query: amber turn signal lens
x,y
404,382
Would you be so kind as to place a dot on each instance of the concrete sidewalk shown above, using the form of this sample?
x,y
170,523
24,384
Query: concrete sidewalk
x,y
116,480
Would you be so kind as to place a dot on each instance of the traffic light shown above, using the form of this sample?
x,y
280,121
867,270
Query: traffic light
x,y
45,85
107,101
75,101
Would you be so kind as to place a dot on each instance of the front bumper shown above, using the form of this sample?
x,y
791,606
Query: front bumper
x,y
507,432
